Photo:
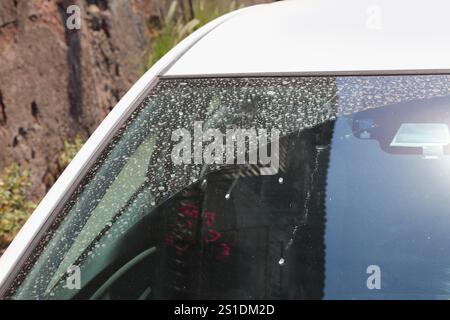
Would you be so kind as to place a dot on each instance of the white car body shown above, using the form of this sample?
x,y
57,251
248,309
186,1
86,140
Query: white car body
x,y
305,37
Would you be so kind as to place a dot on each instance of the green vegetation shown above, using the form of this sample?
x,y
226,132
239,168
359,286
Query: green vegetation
x,y
69,151
15,205
207,10
176,26
15,208
173,31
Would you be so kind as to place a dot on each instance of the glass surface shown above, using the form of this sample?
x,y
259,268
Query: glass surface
x,y
348,213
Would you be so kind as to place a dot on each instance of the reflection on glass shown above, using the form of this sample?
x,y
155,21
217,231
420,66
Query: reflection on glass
x,y
363,182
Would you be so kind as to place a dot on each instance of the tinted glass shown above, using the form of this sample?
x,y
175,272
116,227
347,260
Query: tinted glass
x,y
352,204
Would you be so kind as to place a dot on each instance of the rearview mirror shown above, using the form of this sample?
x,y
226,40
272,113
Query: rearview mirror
x,y
413,127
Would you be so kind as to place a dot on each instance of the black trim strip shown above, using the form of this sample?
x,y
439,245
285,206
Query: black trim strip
x,y
417,72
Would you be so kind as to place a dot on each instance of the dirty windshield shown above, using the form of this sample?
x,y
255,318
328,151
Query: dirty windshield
x,y
262,188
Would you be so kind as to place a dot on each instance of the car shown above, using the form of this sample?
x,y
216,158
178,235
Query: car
x,y
292,150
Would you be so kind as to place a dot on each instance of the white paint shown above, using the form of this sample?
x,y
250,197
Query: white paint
x,y
326,36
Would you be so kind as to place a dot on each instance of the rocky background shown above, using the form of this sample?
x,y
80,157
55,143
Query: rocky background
x,y
56,83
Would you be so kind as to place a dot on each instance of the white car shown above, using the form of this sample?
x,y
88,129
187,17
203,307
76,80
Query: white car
x,y
294,150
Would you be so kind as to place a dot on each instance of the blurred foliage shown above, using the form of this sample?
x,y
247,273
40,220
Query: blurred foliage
x,y
207,10
173,31
15,208
69,151
15,205
176,26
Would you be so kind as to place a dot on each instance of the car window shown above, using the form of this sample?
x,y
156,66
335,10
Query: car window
x,y
335,176
127,182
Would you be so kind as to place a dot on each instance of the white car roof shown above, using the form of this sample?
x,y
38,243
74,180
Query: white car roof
x,y
308,36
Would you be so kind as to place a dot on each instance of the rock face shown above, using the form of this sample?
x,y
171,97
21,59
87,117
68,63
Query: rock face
x,y
55,82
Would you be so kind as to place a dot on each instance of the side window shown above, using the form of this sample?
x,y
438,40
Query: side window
x,y
108,199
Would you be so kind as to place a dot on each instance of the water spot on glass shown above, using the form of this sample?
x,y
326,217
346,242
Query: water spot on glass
x,y
289,104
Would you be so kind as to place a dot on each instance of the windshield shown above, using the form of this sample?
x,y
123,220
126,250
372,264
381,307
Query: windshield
x,y
262,188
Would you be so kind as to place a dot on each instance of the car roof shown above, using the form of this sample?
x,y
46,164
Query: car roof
x,y
308,36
